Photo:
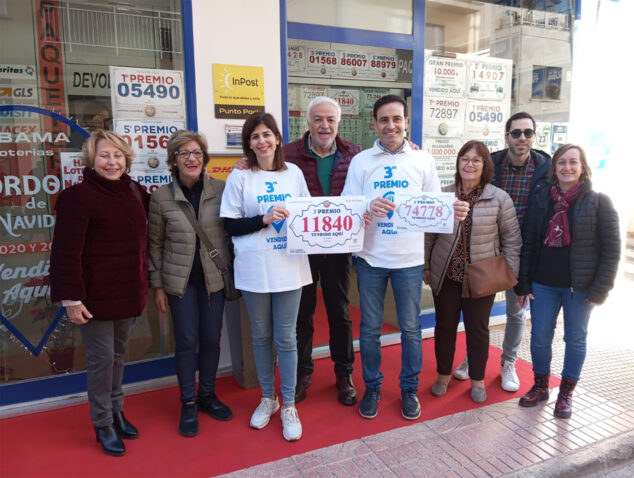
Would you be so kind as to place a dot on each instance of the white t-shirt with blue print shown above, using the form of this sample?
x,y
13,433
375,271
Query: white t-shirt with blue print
x,y
262,263
376,172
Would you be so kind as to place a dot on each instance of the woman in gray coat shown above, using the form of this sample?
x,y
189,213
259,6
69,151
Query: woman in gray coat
x,y
186,277
491,226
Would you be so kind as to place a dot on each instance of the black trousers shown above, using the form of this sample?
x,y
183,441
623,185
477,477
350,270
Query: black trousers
x,y
448,304
197,318
333,271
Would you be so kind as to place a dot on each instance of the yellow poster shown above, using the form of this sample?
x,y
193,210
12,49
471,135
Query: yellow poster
x,y
238,90
219,167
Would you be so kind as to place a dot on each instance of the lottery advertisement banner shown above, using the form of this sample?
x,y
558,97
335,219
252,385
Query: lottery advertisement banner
x,y
325,225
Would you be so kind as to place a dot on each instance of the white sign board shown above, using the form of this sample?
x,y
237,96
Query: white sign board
x,y
325,225
140,93
424,211
445,76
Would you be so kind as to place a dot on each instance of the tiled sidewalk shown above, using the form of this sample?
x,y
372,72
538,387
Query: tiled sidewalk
x,y
489,441
500,438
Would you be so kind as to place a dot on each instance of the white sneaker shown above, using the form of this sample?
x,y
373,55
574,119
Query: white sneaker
x,y
510,380
462,372
262,414
291,424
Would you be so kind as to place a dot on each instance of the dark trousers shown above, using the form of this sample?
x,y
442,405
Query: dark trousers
x,y
448,304
197,318
106,343
333,271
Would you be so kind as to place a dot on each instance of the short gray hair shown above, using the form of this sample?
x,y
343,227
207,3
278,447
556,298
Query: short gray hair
x,y
322,99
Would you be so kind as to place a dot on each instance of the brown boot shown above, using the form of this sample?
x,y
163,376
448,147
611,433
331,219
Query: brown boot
x,y
347,393
538,392
563,406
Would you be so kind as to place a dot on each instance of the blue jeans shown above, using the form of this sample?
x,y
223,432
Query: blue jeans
x,y
197,318
407,285
544,310
273,318
514,329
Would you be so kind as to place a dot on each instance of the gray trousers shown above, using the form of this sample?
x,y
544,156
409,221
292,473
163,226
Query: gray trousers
x,y
106,342
515,326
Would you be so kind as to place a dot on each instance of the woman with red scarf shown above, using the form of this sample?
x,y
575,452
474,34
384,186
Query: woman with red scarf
x,y
569,258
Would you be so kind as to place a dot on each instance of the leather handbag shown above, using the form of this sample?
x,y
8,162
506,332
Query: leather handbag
x,y
226,270
486,277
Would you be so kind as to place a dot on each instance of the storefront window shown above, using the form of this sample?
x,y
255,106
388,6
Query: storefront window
x,y
394,16
354,75
55,88
488,61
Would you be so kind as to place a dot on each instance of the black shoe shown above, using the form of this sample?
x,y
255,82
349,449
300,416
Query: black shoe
x,y
411,406
303,382
188,426
369,406
110,441
347,392
122,425
212,405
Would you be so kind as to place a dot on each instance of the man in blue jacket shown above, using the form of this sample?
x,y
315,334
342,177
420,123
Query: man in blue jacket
x,y
521,171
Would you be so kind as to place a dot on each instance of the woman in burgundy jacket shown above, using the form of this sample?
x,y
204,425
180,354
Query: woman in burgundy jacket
x,y
99,273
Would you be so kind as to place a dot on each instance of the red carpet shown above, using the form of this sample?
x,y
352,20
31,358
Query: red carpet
x,y
61,442
321,337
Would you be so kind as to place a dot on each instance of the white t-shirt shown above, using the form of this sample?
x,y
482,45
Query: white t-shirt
x,y
262,263
375,173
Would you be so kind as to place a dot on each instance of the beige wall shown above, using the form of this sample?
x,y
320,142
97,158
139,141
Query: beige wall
x,y
242,32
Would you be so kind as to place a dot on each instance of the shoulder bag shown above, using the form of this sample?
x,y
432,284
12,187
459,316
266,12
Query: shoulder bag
x,y
486,277
230,291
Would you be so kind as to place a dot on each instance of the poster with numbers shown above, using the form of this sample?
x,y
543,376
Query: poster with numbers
x,y
445,77
296,58
321,62
353,64
348,99
444,152
383,66
490,79
308,92
443,116
139,93
485,118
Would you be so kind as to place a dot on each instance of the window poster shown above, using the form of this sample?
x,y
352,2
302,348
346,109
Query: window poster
x,y
445,76
489,79
466,98
443,116
148,106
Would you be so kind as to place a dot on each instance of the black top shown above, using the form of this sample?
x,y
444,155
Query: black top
x,y
193,195
243,225
553,265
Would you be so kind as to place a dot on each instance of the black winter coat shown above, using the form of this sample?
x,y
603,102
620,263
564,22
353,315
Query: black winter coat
x,y
595,246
